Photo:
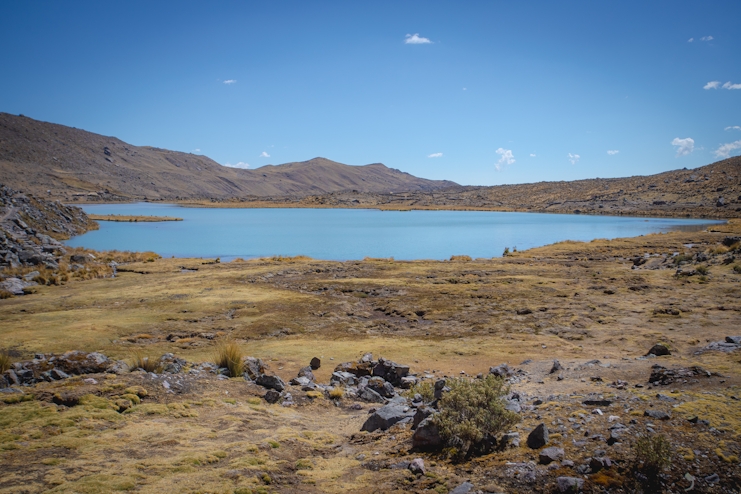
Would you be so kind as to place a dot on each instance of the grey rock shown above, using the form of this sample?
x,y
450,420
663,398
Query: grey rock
x,y
271,382
57,374
342,377
272,396
382,387
556,367
736,340
657,414
712,479
510,440
407,382
385,417
538,437
300,381
119,367
422,413
659,350
172,364
512,406
368,394
503,371
598,463
569,485
439,388
464,488
315,363
549,455
417,466
306,372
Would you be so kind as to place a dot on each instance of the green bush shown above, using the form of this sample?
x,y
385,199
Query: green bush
x,y
653,453
424,388
471,410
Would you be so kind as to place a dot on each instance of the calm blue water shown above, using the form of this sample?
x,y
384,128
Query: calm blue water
x,y
341,234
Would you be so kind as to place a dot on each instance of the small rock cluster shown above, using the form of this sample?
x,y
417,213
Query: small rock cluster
x,y
50,367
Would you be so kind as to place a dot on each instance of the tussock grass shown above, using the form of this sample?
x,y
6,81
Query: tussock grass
x,y
229,355
5,294
146,364
4,361
290,258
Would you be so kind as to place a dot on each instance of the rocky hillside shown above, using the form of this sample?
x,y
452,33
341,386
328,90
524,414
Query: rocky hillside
x,y
710,191
71,164
30,229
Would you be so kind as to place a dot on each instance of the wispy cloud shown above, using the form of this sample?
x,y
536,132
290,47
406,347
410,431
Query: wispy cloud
x,y
435,155
416,39
728,85
507,158
196,151
684,146
574,158
707,38
612,151
724,151
241,164
716,85
690,40
735,127
712,85
264,155
532,155
230,81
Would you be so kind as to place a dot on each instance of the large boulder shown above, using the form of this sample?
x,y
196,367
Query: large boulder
x,y
271,382
77,362
357,369
549,455
390,371
502,371
383,388
253,368
342,378
538,437
386,416
427,436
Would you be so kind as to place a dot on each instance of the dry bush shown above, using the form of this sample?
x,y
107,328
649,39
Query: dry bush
x,y
653,453
290,258
337,393
461,258
4,361
229,355
470,411
737,268
146,364
5,294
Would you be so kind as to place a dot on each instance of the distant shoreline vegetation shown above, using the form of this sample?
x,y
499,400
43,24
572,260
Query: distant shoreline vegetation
x,y
130,218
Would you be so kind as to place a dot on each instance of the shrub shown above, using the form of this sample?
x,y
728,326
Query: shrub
x,y
506,251
703,270
471,410
144,363
5,294
229,356
737,268
653,453
4,361
337,393
682,258
424,388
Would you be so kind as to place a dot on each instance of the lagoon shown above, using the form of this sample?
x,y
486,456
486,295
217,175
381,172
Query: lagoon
x,y
343,234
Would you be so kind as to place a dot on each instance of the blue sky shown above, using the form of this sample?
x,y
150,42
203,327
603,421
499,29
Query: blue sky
x,y
476,92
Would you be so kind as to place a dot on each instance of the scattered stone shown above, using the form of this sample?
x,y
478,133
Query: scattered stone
x,y
464,488
549,455
253,368
598,463
171,364
386,416
659,350
306,372
343,378
408,382
417,466
597,403
271,382
657,414
736,340
538,437
315,363
556,367
440,388
712,479
502,371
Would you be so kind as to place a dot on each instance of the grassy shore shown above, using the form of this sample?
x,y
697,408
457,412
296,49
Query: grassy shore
x,y
131,218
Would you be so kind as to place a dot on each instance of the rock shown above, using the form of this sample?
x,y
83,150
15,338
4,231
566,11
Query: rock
x,y
538,437
16,285
464,488
597,403
342,377
300,381
272,396
659,350
512,406
615,436
385,417
417,466
408,382
78,259
172,364
315,363
549,455
119,367
368,394
357,369
712,479
556,367
422,413
306,372
77,362
381,387
487,445
736,340
427,436
390,371
510,440
440,388
503,371
569,484
253,368
657,414
597,464
271,382
57,374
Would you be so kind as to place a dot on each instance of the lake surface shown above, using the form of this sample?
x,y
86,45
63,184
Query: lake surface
x,y
342,234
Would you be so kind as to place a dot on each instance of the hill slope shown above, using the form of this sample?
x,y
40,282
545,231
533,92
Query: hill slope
x,y
38,157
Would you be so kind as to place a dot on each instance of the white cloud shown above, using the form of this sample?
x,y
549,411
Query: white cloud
x,y
725,150
684,146
532,155
612,152
241,164
196,151
230,81
728,85
712,85
716,84
690,40
435,155
416,39
706,38
264,155
574,158
465,89
735,127
507,158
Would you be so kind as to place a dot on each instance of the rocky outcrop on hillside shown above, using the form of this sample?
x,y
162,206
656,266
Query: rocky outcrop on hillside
x,y
30,229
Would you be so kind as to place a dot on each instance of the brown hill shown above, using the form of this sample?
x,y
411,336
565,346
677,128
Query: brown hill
x,y
709,191
64,163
